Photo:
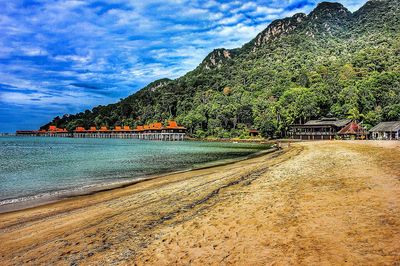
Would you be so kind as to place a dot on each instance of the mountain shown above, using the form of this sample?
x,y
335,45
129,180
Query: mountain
x,y
330,62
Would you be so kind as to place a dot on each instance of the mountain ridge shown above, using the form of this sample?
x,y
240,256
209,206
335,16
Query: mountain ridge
x,y
254,81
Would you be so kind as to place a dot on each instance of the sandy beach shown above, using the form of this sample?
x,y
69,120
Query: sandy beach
x,y
313,203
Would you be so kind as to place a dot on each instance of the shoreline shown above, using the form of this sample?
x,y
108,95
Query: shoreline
x,y
286,207
46,198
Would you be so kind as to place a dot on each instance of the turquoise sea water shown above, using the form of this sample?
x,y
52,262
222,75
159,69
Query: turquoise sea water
x,y
37,167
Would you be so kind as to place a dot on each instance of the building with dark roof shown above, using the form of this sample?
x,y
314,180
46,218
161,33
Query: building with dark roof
x,y
386,131
323,129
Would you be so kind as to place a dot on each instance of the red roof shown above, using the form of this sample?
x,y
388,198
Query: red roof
x,y
352,129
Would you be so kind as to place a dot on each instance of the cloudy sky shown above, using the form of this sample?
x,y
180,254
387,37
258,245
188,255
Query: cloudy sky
x,y
65,56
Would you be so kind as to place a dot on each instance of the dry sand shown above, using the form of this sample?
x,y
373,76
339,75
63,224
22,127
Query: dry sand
x,y
315,203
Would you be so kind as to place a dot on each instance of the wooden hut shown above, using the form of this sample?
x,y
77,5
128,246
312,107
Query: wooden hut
x,y
52,128
103,129
173,127
139,129
386,131
155,128
325,128
353,131
253,132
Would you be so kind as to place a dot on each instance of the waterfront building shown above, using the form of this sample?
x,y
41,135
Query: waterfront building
x,y
173,127
154,131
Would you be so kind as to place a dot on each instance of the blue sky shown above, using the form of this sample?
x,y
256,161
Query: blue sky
x,y
65,56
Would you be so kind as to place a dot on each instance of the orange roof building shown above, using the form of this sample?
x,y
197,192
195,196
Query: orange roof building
x,y
156,126
103,129
127,128
80,129
173,125
52,128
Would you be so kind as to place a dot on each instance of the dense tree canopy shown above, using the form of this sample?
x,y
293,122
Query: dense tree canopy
x,y
332,63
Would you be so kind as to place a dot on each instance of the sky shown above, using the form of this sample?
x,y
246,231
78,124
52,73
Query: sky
x,y
66,56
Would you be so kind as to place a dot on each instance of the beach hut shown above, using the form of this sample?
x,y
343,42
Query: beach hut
x,y
386,131
173,127
146,128
155,127
353,131
52,128
253,132
139,128
325,128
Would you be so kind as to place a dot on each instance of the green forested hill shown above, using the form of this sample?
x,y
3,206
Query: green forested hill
x,y
329,62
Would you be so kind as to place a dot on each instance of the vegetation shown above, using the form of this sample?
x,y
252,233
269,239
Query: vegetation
x,y
330,62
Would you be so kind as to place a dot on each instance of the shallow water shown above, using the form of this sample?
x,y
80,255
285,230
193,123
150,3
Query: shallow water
x,y
34,167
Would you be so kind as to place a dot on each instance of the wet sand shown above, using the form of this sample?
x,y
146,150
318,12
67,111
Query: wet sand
x,y
315,203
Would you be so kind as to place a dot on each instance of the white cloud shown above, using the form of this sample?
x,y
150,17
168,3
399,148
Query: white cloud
x,y
127,43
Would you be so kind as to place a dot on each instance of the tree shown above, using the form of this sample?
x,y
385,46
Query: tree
x,y
298,105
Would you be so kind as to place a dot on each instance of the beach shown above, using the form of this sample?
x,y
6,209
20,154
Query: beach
x,y
310,203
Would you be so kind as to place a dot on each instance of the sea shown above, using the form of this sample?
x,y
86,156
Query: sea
x,y
35,170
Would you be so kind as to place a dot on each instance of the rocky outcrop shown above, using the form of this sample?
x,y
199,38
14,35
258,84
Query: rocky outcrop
x,y
278,28
217,57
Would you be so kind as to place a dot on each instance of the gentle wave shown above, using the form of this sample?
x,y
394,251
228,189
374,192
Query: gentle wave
x,y
65,193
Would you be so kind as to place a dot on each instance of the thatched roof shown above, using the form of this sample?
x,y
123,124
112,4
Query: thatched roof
x,y
392,126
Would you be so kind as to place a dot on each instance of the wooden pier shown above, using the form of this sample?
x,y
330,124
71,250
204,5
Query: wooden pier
x,y
155,131
143,136
7,134
98,135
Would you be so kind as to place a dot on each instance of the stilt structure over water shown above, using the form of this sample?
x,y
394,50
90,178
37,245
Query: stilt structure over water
x,y
155,131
